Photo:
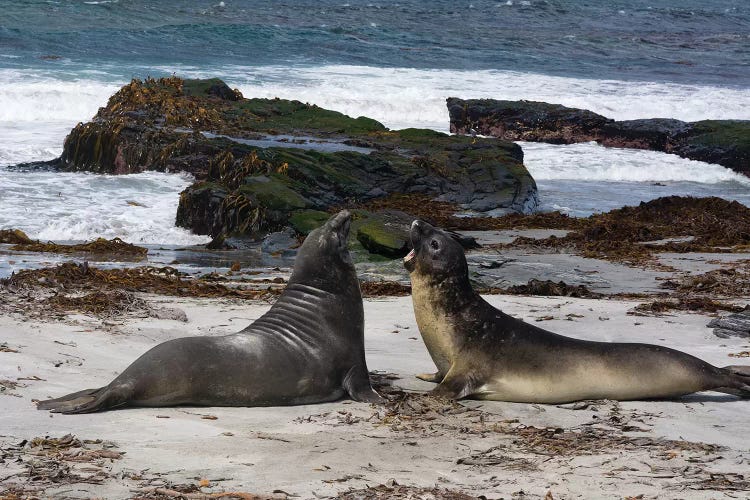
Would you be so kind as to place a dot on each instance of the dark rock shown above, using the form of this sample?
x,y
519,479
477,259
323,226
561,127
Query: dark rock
x,y
201,208
524,120
551,289
37,165
262,165
280,241
304,221
725,142
15,237
468,242
384,233
220,243
733,325
656,134
213,87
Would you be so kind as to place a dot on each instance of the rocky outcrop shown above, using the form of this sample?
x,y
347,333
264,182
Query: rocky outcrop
x,y
726,142
265,164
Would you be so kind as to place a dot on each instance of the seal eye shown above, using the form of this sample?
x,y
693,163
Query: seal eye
x,y
434,244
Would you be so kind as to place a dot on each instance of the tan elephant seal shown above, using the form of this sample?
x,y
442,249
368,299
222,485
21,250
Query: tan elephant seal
x,y
481,352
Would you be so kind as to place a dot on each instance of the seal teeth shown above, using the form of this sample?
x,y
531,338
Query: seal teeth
x,y
409,256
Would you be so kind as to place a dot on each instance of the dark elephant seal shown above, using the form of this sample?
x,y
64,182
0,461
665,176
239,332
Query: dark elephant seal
x,y
483,353
308,348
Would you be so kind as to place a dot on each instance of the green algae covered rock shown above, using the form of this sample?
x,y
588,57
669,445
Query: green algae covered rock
x,y
304,221
382,235
725,142
262,165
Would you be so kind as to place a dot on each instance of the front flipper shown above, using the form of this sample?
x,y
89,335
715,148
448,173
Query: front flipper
x,y
436,377
357,385
457,384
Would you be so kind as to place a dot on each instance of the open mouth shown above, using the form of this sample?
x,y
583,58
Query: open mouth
x,y
410,256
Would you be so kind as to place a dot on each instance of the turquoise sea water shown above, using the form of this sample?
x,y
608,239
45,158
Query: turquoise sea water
x,y
688,41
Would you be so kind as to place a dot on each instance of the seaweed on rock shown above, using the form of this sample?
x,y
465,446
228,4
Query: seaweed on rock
x,y
260,162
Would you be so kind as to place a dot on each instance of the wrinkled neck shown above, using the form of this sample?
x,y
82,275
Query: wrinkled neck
x,y
329,276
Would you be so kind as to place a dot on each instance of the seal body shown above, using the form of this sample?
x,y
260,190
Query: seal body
x,y
483,353
308,348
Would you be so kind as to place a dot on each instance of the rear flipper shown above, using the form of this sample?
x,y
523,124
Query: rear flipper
x,y
88,401
740,381
743,370
357,385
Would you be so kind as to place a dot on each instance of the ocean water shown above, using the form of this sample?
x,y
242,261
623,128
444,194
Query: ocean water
x,y
393,61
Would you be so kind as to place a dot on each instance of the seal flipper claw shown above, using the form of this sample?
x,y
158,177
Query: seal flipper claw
x,y
455,385
357,385
436,377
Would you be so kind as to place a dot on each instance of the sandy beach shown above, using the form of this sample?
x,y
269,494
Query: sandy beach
x,y
695,447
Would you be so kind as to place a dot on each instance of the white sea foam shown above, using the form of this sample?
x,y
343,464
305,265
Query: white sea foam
x,y
75,206
592,162
38,109
581,179
29,96
403,97
398,97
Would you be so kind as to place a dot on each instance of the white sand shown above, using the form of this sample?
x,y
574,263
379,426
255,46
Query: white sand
x,y
270,450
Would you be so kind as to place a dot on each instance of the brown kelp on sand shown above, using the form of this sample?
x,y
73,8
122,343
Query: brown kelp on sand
x,y
629,234
72,287
115,248
670,224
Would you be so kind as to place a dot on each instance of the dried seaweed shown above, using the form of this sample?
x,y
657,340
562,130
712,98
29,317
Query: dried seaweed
x,y
550,289
159,280
7,386
100,246
693,304
44,462
590,440
722,482
498,456
71,287
733,282
98,303
395,490
634,234
4,347
384,288
192,492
